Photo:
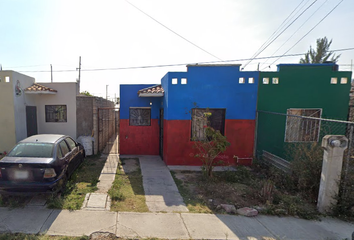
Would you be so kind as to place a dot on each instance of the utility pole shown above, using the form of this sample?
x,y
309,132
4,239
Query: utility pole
x,y
79,68
106,92
51,73
78,80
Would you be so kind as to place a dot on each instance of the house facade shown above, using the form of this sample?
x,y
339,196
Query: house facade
x,y
35,108
163,119
56,107
139,121
304,90
14,105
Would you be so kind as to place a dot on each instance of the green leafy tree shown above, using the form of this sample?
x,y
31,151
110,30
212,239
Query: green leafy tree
x,y
211,146
321,53
86,93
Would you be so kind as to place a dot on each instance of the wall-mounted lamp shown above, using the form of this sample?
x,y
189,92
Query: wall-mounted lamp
x,y
150,103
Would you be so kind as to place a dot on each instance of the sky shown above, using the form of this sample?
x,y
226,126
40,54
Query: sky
x,y
118,39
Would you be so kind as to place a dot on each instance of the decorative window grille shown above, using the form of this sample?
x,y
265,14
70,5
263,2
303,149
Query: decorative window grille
x,y
55,113
139,116
216,120
302,128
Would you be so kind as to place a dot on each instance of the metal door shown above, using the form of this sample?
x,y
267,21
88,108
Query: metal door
x,y
161,133
108,129
31,120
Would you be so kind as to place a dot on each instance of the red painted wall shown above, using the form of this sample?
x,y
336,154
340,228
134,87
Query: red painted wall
x,y
139,140
178,149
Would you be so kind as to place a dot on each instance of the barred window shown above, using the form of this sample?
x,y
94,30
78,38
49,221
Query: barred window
x,y
55,113
199,121
302,129
139,116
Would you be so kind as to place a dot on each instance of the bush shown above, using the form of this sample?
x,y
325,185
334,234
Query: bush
x,y
345,205
306,167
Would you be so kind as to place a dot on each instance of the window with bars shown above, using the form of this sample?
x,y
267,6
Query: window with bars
x,y
199,121
139,116
302,128
55,113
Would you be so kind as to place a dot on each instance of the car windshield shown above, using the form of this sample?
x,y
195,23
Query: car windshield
x,y
34,150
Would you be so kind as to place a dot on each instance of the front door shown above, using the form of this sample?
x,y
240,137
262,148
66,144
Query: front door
x,y
161,133
31,120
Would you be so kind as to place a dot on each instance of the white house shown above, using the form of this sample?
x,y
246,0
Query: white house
x,y
28,108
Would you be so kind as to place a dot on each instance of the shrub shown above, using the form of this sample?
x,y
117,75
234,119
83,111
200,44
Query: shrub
x,y
306,167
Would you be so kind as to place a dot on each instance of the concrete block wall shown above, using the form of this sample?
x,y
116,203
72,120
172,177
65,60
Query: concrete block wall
x,y
87,120
84,113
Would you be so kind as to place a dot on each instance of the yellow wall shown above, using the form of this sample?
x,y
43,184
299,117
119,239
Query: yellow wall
x,y
20,102
7,114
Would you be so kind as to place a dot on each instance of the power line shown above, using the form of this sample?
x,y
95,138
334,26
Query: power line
x,y
281,32
183,64
278,29
297,29
309,31
179,35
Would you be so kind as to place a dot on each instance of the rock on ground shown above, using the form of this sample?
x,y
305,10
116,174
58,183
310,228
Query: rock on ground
x,y
228,208
248,212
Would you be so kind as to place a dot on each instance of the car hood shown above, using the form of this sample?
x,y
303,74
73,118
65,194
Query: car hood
x,y
27,160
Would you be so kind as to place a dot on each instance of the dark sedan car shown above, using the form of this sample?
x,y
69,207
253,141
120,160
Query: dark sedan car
x,y
40,164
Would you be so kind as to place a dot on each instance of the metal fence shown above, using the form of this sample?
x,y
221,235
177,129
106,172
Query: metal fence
x,y
108,125
281,138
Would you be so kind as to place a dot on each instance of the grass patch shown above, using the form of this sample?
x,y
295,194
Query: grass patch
x,y
21,236
127,192
194,203
84,180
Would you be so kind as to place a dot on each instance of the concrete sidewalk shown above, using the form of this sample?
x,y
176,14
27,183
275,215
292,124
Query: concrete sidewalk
x,y
100,200
36,220
161,192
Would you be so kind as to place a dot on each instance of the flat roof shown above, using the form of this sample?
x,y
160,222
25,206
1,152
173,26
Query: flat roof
x,y
213,65
307,64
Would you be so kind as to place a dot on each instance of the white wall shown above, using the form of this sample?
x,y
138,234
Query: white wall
x,y
66,95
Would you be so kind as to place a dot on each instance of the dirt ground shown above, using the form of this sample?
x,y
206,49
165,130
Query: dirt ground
x,y
216,192
241,189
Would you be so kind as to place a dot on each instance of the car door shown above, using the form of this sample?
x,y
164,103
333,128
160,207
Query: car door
x,y
66,153
75,154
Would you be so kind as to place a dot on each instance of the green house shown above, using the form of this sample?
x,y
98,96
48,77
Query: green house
x,y
293,100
